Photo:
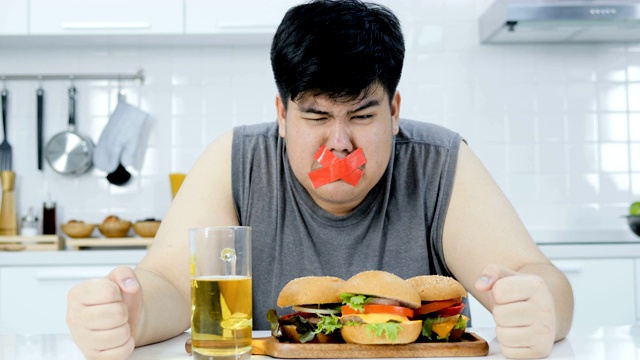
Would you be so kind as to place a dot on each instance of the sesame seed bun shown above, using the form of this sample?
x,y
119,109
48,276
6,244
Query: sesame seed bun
x,y
311,290
436,287
383,284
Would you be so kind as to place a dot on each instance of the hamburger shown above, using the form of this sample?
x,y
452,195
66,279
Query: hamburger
x,y
441,307
316,306
378,308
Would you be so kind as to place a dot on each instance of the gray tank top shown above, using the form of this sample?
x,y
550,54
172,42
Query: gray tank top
x,y
397,228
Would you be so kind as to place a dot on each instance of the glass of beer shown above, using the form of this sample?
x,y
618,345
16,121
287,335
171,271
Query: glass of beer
x,y
221,319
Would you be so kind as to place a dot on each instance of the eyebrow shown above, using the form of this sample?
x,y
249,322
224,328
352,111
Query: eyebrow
x,y
312,110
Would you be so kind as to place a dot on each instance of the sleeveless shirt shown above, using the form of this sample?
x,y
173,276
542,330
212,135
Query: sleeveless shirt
x,y
397,227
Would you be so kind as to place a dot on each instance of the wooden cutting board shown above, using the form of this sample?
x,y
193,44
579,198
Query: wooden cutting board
x,y
470,345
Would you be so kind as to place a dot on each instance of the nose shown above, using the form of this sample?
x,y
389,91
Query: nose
x,y
339,141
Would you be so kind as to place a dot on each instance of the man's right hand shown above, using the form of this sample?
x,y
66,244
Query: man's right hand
x,y
102,314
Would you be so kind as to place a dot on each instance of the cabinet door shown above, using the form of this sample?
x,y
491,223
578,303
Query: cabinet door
x,y
603,291
33,300
13,17
238,16
109,17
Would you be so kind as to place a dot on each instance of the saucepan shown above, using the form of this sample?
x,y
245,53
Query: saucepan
x,y
69,152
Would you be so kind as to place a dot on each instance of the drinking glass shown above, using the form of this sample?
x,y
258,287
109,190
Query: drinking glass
x,y
176,179
221,319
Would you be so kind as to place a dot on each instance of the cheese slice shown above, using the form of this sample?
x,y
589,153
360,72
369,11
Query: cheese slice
x,y
444,328
381,318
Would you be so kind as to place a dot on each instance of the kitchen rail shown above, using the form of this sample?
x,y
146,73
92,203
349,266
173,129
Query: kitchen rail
x,y
138,76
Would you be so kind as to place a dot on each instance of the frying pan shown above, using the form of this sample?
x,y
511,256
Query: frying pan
x,y
69,152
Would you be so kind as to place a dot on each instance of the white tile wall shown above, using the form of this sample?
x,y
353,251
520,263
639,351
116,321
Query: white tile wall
x,y
557,125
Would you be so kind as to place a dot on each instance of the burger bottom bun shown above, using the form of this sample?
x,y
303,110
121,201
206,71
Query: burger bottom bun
x,y
358,334
293,336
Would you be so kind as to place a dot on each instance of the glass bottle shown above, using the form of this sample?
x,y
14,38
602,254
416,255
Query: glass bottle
x,y
49,218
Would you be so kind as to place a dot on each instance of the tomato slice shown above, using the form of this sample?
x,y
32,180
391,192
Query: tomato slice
x,y
451,310
432,306
379,309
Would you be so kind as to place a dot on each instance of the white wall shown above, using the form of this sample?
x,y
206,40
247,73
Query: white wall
x,y
557,125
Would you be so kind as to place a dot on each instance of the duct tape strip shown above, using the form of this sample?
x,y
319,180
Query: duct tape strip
x,y
334,169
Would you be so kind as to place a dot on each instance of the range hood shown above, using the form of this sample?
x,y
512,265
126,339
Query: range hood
x,y
545,21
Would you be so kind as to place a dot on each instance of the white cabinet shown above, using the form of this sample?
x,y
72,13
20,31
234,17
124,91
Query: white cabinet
x,y
603,291
110,17
33,299
235,17
113,22
14,16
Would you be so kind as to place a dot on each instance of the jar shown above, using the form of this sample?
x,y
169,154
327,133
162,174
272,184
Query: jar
x,y
29,224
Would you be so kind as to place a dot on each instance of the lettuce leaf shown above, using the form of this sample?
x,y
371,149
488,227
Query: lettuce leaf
x,y
355,301
328,324
389,329
306,330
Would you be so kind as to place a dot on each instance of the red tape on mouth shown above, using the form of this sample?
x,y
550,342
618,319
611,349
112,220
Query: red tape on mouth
x,y
333,168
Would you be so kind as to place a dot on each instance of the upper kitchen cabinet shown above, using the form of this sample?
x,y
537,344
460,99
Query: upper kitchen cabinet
x,y
105,17
251,20
14,17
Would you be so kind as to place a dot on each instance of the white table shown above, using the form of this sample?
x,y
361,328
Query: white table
x,y
620,342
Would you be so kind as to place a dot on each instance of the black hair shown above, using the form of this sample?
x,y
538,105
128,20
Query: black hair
x,y
338,48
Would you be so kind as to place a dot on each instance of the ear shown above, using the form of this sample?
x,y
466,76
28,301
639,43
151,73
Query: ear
x,y
281,113
395,112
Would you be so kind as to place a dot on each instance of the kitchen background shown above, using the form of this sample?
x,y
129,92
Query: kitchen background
x,y
557,125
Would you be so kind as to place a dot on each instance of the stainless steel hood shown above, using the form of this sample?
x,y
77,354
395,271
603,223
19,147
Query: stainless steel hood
x,y
544,21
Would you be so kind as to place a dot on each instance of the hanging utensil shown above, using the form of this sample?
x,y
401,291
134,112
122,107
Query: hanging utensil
x,y
5,148
120,176
69,152
39,115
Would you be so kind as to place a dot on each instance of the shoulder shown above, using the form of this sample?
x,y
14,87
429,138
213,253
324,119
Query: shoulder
x,y
412,132
266,130
258,140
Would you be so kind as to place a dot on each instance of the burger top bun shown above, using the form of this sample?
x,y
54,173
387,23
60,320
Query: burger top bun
x,y
383,284
436,287
358,334
311,290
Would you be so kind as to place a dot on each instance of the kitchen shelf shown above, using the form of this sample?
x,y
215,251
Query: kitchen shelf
x,y
32,243
79,243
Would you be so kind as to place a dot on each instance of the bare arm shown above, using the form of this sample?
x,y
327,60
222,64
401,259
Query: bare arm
x,y
485,241
205,199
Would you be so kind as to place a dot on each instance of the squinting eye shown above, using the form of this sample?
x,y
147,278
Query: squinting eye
x,y
363,116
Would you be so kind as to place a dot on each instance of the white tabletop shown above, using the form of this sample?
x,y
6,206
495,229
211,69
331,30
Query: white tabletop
x,y
619,342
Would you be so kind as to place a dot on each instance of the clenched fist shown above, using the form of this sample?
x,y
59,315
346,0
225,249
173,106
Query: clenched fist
x,y
102,314
523,309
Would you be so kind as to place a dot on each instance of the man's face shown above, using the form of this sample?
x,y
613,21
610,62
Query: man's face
x,y
312,121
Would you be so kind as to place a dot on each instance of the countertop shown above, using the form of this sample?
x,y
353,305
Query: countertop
x,y
619,342
71,257
553,250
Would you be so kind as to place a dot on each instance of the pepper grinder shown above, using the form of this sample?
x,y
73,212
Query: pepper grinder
x,y
8,217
